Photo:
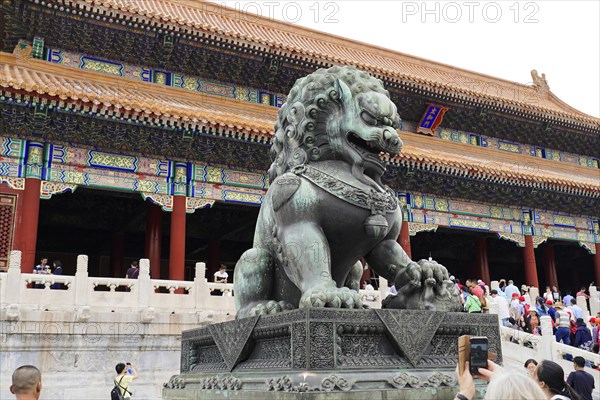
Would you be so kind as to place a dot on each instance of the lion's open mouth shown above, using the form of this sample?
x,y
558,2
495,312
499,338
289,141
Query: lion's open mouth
x,y
364,145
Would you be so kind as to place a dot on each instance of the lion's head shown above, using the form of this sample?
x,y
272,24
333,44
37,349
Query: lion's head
x,y
339,113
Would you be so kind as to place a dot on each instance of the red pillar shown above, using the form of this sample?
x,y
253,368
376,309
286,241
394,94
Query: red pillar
x,y
531,278
153,238
117,251
366,275
597,264
177,245
27,240
483,267
404,238
550,266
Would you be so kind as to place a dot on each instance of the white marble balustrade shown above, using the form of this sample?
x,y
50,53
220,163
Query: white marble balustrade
x,y
82,292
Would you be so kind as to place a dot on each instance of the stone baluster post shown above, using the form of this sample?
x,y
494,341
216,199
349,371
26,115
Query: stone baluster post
x,y
13,278
494,285
143,284
546,340
582,302
201,286
81,281
594,301
82,287
534,293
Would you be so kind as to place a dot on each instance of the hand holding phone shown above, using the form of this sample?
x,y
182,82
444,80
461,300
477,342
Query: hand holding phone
x,y
475,351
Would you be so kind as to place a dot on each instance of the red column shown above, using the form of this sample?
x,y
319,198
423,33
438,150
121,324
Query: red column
x,y
531,278
27,240
177,246
597,264
404,238
483,267
117,251
153,238
366,275
550,266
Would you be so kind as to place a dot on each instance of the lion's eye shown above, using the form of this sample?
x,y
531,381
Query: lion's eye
x,y
368,118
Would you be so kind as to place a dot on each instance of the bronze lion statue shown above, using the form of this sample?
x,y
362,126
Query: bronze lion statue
x,y
326,207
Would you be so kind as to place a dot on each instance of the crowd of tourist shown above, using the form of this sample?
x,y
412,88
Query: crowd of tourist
x,y
515,310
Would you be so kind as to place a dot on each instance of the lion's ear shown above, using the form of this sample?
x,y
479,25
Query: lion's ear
x,y
344,94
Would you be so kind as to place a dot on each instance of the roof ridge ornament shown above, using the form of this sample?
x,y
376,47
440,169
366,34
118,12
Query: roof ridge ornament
x,y
539,82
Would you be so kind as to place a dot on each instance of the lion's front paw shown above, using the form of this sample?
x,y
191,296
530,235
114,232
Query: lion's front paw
x,y
269,307
330,296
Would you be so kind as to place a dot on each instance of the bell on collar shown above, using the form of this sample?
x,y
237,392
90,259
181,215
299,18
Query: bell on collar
x,y
376,226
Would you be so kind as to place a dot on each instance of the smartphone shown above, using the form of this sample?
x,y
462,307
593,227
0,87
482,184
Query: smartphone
x,y
478,349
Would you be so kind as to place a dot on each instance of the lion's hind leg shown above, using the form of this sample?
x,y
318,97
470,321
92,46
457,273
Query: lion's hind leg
x,y
253,285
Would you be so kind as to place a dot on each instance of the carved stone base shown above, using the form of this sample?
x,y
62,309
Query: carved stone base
x,y
328,353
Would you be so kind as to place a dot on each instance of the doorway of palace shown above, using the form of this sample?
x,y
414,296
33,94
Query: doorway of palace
x,y
456,249
110,227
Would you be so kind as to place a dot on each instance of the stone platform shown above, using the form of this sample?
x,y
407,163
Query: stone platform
x,y
328,353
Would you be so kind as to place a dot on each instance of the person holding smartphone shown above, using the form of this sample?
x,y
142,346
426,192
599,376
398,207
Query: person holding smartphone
x,y
126,375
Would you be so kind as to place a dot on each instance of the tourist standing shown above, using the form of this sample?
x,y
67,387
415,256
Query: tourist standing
x,y
57,264
556,294
134,271
563,324
126,374
472,304
530,366
551,378
26,383
503,311
220,276
548,294
581,381
567,299
41,269
582,293
511,289
583,336
576,310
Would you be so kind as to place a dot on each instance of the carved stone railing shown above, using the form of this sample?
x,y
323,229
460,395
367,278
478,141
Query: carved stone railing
x,y
20,291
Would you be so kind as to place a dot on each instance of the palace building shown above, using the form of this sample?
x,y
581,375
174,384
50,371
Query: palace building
x,y
141,129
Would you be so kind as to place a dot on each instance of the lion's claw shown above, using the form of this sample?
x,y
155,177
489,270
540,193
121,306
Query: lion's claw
x,y
330,296
269,307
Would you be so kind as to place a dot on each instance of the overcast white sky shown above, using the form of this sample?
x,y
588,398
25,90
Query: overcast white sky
x,y
505,38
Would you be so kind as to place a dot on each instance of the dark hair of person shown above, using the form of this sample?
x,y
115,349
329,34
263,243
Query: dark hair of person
x,y
134,264
579,361
58,263
467,290
119,367
493,291
530,361
553,376
573,301
25,378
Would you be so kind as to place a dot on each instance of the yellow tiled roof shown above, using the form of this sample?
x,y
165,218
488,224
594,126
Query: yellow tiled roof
x,y
73,85
299,42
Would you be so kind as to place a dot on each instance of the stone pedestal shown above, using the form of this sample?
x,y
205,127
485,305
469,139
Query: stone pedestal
x,y
328,353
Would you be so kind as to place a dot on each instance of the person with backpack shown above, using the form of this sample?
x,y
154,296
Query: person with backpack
x,y
125,375
583,336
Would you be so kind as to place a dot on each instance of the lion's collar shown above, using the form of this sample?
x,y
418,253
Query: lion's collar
x,y
377,203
